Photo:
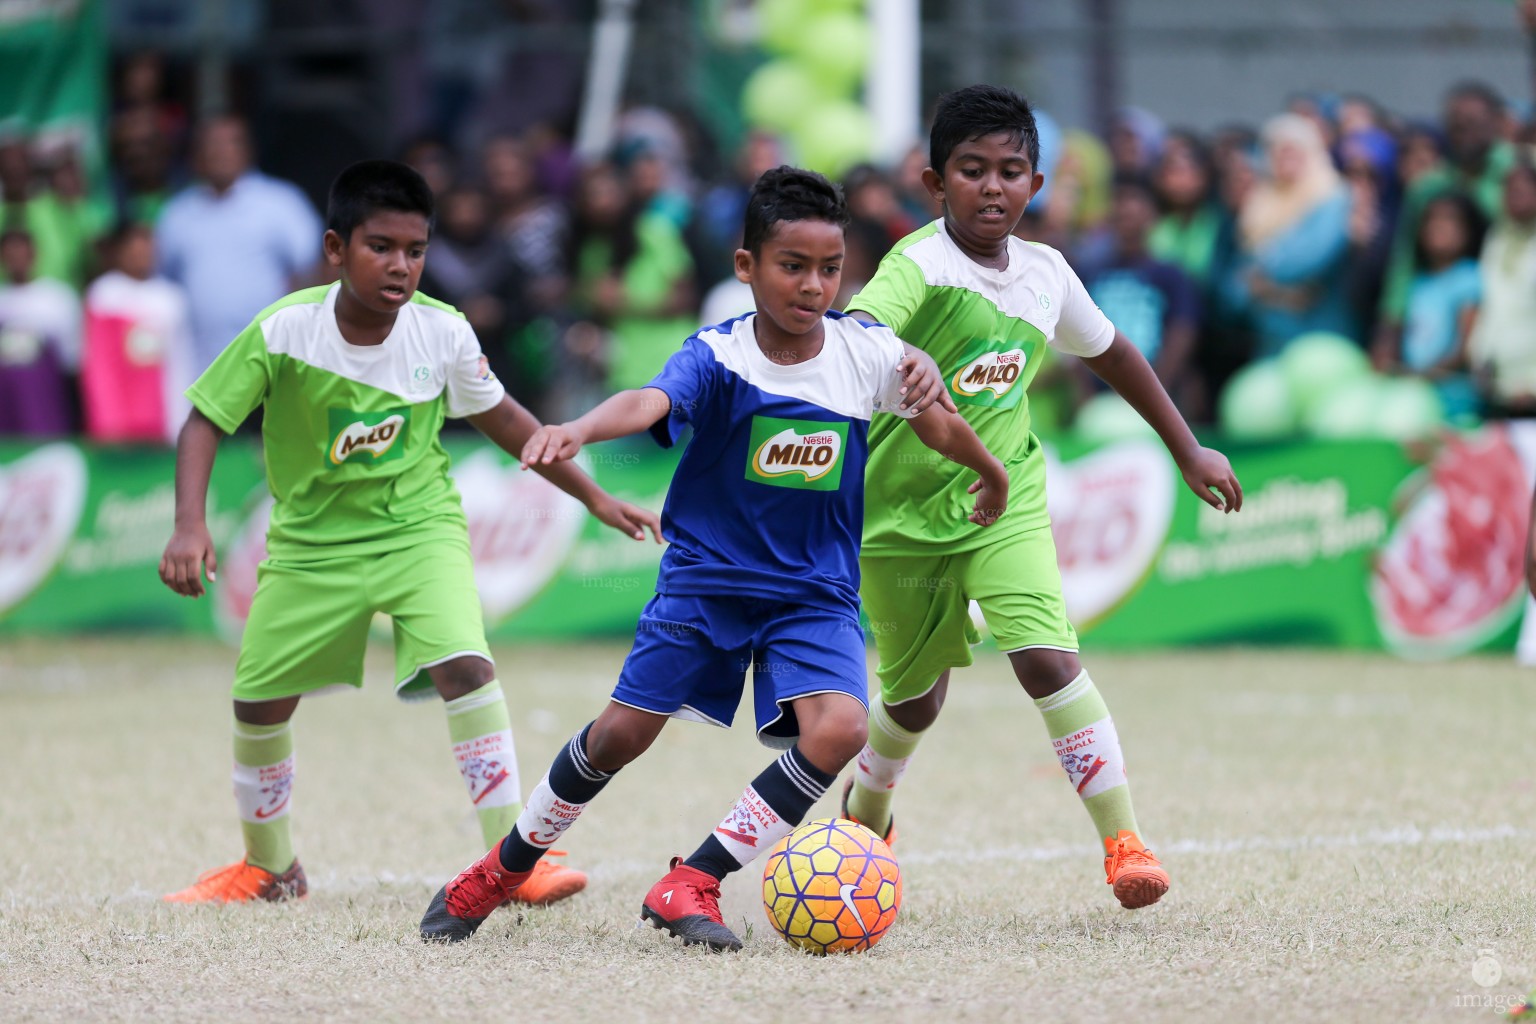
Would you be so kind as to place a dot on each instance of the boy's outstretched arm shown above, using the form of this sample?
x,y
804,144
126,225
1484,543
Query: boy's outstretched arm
x,y
511,427
191,545
952,437
1124,368
628,412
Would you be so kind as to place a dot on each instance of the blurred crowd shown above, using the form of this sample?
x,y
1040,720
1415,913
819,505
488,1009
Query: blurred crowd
x,y
1415,240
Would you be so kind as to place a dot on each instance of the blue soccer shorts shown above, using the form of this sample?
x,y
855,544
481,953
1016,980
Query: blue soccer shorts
x,y
692,653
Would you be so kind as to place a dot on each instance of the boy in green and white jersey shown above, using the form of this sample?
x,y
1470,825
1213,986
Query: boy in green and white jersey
x,y
984,305
355,380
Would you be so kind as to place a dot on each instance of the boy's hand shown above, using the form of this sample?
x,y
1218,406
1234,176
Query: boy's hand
x,y
991,499
1207,470
550,444
922,382
181,567
626,518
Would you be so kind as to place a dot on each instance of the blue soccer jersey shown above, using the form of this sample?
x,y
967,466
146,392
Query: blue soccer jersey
x,y
768,498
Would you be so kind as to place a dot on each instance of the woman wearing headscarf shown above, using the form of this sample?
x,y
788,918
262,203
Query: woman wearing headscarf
x,y
1293,234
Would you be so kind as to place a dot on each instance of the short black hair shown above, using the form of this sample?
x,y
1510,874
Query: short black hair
x,y
790,193
15,231
1136,183
977,111
372,185
1476,89
1472,219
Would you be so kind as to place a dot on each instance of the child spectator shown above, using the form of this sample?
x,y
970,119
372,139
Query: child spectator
x,y
631,276
1443,297
1503,342
39,343
138,346
1152,302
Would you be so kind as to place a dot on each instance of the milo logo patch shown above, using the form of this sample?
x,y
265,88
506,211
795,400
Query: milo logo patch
x,y
797,453
368,436
996,372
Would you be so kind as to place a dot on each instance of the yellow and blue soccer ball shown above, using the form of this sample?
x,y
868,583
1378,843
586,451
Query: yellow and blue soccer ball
x,y
831,886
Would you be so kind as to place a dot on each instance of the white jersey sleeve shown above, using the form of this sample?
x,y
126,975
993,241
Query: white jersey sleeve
x,y
1082,328
888,396
472,388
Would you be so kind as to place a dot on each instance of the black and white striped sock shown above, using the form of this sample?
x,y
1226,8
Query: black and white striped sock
x,y
554,805
769,810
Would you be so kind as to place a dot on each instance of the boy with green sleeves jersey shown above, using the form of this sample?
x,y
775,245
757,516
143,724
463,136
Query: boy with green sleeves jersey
x,y
985,305
355,379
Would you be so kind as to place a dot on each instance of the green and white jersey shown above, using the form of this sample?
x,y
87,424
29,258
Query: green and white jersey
x,y
351,431
987,329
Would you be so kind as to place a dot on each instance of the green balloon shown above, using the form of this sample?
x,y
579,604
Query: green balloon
x,y
778,94
1409,409
1107,417
835,49
781,24
833,136
1256,404
1316,364
1347,411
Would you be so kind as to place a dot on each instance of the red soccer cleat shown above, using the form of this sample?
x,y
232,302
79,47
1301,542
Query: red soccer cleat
x,y
459,907
686,902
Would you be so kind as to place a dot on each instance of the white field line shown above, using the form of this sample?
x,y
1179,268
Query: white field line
x,y
334,883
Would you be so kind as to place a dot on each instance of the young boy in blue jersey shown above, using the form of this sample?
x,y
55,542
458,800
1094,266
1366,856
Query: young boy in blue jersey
x,y
764,517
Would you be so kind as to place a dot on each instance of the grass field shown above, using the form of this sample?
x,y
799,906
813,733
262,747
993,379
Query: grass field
x,y
1347,836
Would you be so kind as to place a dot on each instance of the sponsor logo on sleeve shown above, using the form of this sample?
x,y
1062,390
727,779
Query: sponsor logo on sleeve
x,y
368,436
796,453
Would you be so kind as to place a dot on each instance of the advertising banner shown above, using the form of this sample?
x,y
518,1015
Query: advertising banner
x,y
1365,545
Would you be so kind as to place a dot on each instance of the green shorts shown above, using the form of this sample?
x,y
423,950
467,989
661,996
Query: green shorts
x,y
919,608
308,627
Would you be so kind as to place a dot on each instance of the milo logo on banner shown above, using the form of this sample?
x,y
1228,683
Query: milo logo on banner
x,y
368,436
992,373
797,453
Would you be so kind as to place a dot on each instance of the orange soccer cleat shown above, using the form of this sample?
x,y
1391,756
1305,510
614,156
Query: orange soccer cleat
x,y
549,883
241,882
1130,867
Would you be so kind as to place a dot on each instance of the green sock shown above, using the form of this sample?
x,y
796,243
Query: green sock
x,y
1086,744
880,766
481,731
263,786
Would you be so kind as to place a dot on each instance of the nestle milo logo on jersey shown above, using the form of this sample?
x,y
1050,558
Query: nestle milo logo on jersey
x,y
993,373
796,453
367,436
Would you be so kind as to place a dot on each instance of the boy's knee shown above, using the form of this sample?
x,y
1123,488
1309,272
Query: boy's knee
x,y
461,676
1042,670
841,733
